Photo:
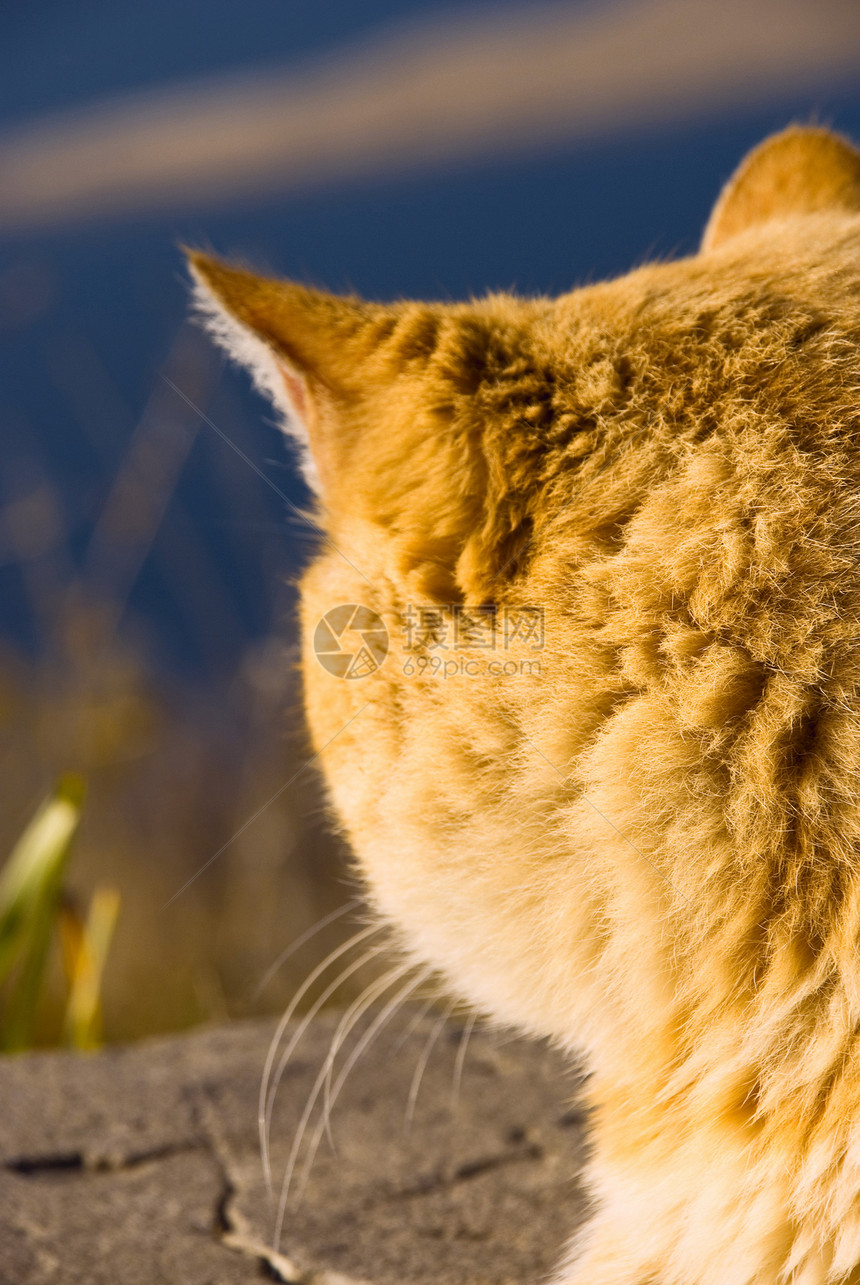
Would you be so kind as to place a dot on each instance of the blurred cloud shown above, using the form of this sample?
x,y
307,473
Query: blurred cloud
x,y
491,80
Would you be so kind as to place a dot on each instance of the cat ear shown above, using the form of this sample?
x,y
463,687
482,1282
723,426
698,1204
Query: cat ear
x,y
369,392
799,171
303,348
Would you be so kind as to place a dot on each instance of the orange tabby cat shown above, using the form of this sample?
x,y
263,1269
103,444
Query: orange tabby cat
x,y
631,824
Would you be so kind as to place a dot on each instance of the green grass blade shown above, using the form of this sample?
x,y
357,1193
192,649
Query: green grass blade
x,y
85,967
30,884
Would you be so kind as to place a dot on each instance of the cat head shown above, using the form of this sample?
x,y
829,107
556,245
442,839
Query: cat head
x,y
471,459
433,427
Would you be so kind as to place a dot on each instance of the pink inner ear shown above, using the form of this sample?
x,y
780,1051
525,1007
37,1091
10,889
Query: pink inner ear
x,y
307,414
297,393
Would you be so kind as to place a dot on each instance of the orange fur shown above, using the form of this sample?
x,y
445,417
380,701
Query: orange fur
x,y
649,852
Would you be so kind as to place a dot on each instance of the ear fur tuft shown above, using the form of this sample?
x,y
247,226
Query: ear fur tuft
x,y
223,299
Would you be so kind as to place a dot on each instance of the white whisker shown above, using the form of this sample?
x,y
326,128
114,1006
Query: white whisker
x,y
422,1066
379,1022
461,1061
300,941
416,1021
352,1015
389,1010
358,937
326,995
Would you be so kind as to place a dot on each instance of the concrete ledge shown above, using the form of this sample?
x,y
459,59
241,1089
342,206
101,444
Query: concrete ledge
x,y
141,1165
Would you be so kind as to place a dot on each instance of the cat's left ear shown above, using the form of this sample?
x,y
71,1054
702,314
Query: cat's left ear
x,y
368,390
802,170
303,348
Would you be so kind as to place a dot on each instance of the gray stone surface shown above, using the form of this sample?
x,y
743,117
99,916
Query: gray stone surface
x,y
142,1164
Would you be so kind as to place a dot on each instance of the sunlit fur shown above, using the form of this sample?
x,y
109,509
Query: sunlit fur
x,y
649,851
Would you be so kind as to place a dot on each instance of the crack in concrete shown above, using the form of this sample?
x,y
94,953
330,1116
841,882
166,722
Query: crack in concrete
x,y
78,1162
232,1229
227,1207
228,1225
442,1181
27,1166
284,1270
